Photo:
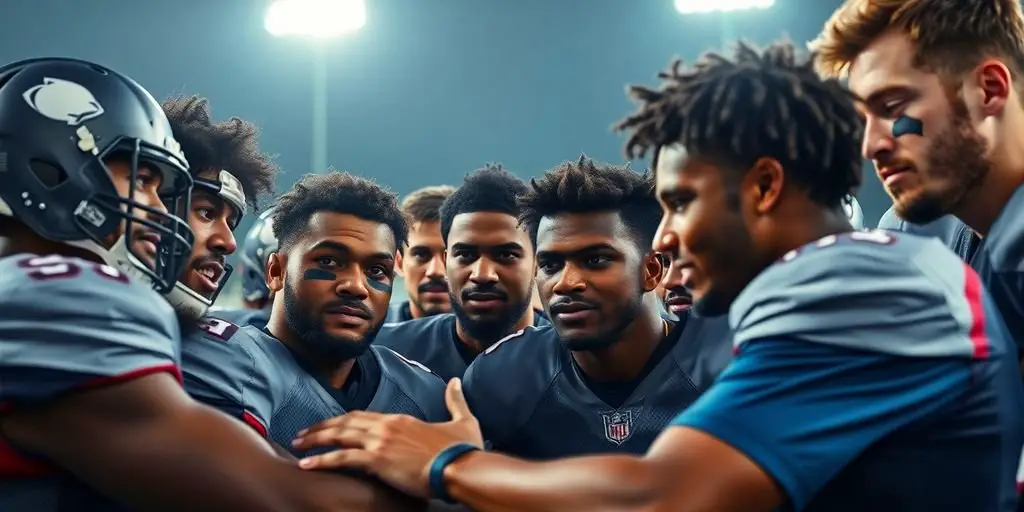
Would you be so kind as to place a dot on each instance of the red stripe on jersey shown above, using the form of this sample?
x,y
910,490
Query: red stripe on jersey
x,y
972,293
255,423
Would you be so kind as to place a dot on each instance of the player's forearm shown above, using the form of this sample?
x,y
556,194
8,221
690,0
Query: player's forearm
x,y
489,482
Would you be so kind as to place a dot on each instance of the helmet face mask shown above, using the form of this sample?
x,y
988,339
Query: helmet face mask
x,y
63,124
854,212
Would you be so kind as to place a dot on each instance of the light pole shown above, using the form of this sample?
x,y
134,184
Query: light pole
x,y
319,21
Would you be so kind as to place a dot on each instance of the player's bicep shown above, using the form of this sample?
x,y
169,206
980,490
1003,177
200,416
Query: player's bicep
x,y
803,411
147,444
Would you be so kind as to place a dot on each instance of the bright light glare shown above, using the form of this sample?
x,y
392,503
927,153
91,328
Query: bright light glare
x,y
697,6
320,19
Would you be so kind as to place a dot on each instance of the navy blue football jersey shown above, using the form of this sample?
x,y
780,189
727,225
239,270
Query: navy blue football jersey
x,y
433,342
872,372
69,325
533,401
250,375
399,312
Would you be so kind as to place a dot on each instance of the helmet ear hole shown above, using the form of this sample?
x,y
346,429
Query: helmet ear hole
x,y
50,175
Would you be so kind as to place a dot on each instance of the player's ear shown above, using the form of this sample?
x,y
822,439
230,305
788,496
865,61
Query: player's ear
x,y
398,264
654,270
275,272
763,183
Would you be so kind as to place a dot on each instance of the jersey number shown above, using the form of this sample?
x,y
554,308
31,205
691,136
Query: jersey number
x,y
874,236
218,328
44,268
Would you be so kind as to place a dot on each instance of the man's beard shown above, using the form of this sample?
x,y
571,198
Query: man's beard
x,y
310,331
956,156
487,332
188,324
605,339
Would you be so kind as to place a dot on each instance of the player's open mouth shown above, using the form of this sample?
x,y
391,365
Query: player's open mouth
x,y
209,274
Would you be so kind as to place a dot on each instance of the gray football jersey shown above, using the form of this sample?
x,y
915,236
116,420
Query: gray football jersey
x,y
892,293
66,325
954,233
250,375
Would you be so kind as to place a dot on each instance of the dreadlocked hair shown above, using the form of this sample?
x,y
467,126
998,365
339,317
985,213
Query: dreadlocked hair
x,y
759,104
586,186
231,145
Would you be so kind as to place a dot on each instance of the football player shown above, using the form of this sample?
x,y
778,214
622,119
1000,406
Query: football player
x,y
609,373
91,406
229,171
942,96
334,271
421,261
490,267
855,351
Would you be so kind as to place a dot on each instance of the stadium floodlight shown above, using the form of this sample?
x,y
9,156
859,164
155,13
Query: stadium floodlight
x,y
318,19
699,6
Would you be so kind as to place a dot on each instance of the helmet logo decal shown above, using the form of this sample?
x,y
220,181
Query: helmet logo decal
x,y
62,100
86,140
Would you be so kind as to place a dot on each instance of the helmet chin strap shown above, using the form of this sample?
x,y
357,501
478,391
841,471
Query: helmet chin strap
x,y
185,300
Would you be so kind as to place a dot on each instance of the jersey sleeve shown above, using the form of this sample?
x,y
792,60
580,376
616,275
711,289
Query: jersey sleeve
x,y
500,389
220,371
803,411
876,291
68,324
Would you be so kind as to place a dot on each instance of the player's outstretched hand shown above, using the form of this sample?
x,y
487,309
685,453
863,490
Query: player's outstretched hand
x,y
396,448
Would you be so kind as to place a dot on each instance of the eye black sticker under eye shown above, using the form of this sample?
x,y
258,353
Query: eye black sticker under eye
x,y
907,125
379,285
318,274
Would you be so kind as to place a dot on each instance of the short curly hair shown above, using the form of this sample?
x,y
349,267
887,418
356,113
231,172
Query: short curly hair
x,y
586,186
489,189
231,145
338,192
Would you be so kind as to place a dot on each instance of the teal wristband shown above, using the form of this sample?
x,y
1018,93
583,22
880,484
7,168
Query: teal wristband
x,y
441,461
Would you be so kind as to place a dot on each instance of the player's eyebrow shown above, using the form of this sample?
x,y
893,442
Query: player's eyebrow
x,y
577,252
346,250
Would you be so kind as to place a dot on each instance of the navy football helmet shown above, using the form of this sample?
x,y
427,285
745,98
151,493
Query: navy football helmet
x,y
259,243
61,120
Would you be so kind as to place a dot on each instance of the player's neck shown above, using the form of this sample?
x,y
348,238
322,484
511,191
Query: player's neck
x,y
478,346
623,361
802,226
983,206
414,311
330,369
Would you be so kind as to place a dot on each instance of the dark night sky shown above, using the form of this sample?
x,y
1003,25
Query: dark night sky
x,y
428,90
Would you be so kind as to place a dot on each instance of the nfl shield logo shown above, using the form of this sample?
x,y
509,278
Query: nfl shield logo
x,y
618,426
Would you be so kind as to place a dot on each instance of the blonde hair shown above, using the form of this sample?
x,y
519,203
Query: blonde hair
x,y
950,37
